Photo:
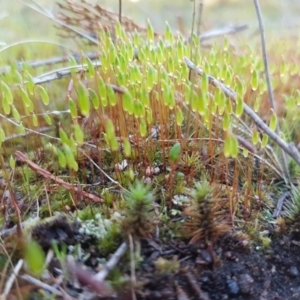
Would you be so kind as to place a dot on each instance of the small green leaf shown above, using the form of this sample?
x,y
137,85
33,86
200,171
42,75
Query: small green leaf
x,y
254,80
73,108
245,152
234,147
226,121
239,107
257,104
264,141
83,99
5,106
12,162
220,99
112,54
255,137
2,135
121,78
15,114
63,136
273,121
61,158
143,128
227,146
128,103
7,93
204,83
171,65
110,129
150,32
30,82
91,68
34,120
44,94
118,30
168,35
111,95
179,116
127,147
283,69
78,133
72,164
144,97
102,91
228,106
34,257
25,97
22,129
47,119
175,152
136,38
201,102
94,98
149,116
114,145
239,87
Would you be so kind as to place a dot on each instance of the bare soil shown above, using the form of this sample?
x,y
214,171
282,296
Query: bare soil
x,y
229,270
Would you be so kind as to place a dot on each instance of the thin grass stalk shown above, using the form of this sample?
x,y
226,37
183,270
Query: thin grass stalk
x,y
284,163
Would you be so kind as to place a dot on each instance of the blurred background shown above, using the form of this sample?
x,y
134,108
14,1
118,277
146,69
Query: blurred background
x,y
17,21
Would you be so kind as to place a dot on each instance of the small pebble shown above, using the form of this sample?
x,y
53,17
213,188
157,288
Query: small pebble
x,y
294,271
245,282
206,256
205,279
156,170
147,180
232,287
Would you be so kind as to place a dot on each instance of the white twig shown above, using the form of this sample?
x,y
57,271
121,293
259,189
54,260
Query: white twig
x,y
284,163
222,31
41,284
100,276
11,279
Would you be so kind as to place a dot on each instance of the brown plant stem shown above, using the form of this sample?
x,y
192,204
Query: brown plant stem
x,y
70,187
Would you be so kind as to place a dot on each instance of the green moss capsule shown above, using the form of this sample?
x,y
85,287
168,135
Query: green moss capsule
x,y
78,133
127,147
273,121
7,94
72,107
111,95
83,99
175,152
264,141
143,128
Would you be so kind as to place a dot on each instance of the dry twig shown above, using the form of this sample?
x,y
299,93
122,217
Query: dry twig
x,y
11,279
70,187
115,258
41,284
284,163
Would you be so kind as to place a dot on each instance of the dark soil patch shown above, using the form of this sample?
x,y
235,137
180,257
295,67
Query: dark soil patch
x,y
228,271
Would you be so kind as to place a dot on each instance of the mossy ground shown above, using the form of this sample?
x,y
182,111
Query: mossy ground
x,y
127,154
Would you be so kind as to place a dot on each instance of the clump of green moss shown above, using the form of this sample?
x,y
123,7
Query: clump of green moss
x,y
140,218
